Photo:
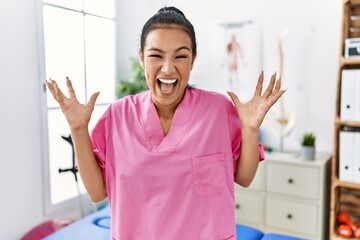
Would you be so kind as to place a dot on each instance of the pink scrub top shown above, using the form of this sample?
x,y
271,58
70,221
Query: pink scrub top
x,y
176,187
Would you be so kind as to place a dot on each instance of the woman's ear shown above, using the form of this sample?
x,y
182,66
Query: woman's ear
x,y
141,57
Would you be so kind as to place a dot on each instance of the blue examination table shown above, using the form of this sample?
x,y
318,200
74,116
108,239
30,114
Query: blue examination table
x,y
96,226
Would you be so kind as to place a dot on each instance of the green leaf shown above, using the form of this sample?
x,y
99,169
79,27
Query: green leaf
x,y
308,139
136,83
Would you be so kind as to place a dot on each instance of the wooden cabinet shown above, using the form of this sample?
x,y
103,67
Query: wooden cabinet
x,y
288,196
345,188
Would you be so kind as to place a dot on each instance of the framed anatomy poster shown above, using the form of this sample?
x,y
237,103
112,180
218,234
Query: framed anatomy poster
x,y
236,57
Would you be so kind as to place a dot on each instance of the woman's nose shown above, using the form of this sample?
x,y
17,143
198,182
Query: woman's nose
x,y
168,67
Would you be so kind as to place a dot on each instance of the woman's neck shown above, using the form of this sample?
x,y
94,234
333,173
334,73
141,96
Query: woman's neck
x,y
165,112
166,116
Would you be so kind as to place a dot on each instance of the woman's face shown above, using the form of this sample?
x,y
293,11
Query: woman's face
x,y
167,60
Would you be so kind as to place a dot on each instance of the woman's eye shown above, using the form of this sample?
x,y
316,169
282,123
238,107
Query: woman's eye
x,y
155,56
182,56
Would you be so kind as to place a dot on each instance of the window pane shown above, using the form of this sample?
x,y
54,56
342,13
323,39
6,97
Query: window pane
x,y
62,185
105,8
69,51
100,57
64,49
73,4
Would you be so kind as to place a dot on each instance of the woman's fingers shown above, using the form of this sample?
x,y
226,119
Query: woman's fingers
x,y
60,97
234,98
277,86
92,99
259,84
270,87
50,87
54,89
70,88
56,92
271,101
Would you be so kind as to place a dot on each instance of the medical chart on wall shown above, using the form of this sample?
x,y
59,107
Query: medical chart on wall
x,y
236,57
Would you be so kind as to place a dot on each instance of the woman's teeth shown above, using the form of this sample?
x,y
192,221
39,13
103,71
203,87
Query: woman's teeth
x,y
168,81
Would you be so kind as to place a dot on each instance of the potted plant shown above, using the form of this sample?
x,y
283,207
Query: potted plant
x,y
137,82
308,146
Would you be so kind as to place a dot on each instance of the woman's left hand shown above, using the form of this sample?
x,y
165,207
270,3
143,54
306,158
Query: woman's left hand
x,y
252,113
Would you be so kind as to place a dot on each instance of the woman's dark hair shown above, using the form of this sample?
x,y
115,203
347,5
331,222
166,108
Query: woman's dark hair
x,y
168,16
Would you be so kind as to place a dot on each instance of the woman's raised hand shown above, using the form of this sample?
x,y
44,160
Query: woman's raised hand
x,y
77,115
252,113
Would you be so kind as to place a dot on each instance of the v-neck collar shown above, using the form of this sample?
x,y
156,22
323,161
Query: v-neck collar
x,y
152,126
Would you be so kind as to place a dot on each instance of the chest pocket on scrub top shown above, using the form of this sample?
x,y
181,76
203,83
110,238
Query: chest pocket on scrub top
x,y
209,175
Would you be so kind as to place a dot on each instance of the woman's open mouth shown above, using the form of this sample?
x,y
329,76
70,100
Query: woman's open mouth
x,y
167,86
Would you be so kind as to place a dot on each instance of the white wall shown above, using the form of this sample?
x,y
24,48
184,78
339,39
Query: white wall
x,y
21,169
311,69
311,63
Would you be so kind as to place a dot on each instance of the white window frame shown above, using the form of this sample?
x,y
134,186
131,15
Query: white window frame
x,y
71,205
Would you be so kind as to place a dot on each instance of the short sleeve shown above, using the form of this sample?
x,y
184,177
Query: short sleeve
x,y
235,132
99,138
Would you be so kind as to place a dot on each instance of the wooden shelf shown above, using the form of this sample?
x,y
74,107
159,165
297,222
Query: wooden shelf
x,y
344,195
338,183
346,123
352,2
349,61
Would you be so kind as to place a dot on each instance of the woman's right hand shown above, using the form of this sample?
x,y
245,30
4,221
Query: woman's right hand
x,y
77,115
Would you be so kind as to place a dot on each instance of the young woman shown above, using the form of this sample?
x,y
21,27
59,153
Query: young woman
x,y
167,158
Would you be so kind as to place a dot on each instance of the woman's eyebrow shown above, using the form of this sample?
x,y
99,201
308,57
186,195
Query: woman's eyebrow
x,y
162,51
183,47
155,49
